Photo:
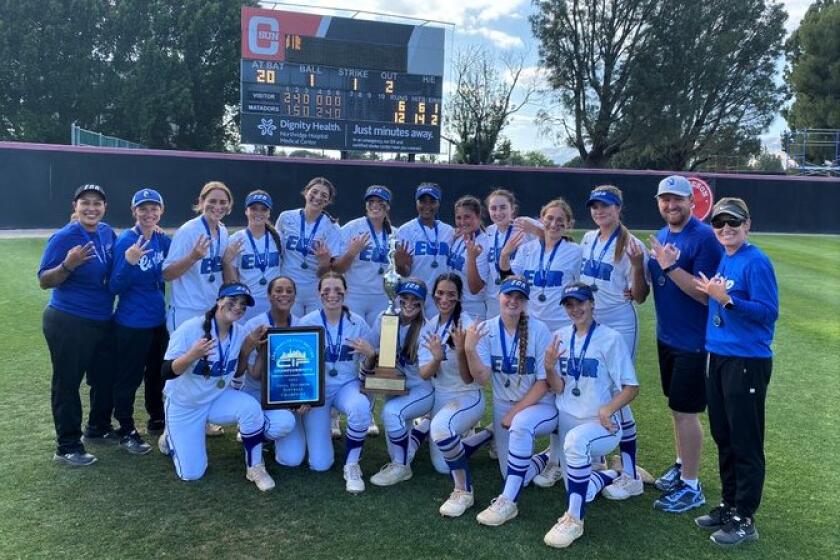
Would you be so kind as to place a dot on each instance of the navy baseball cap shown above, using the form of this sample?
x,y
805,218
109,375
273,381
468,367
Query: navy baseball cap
x,y
674,184
90,187
258,198
430,189
579,292
236,289
606,197
378,190
516,285
146,195
415,288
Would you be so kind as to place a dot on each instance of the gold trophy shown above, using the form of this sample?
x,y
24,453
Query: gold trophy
x,y
386,379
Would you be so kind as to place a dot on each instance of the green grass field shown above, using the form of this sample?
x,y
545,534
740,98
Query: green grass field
x,y
134,507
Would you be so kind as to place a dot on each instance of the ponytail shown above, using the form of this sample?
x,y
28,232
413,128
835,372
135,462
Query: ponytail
x,y
207,326
621,242
523,344
275,235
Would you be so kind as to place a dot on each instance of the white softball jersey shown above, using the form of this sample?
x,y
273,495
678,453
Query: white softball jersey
x,y
194,289
548,276
196,387
457,262
448,377
299,262
427,247
508,384
604,369
254,386
259,262
364,277
344,367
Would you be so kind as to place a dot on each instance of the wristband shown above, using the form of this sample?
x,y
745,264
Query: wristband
x,y
669,269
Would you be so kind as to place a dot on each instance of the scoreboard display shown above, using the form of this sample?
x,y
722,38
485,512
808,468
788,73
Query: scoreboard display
x,y
325,82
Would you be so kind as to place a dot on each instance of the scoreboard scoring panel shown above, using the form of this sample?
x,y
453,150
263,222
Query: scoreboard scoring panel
x,y
338,83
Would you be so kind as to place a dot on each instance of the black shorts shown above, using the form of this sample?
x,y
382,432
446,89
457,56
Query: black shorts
x,y
683,376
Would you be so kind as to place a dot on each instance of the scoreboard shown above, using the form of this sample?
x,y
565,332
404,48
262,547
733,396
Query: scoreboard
x,y
316,81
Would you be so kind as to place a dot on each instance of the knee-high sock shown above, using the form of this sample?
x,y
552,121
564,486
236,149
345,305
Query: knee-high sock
x,y
476,441
398,446
538,463
627,447
416,437
455,455
578,478
252,443
515,478
354,441
597,481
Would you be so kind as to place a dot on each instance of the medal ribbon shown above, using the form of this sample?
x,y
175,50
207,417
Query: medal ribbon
x,y
543,270
307,241
223,354
612,238
262,261
426,235
379,247
334,348
576,363
217,247
497,250
507,359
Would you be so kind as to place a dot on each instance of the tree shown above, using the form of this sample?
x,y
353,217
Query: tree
x,y
590,51
768,162
506,155
481,104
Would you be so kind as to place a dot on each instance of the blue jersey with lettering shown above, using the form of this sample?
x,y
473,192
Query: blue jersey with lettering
x,y
85,292
680,319
140,287
747,329
193,289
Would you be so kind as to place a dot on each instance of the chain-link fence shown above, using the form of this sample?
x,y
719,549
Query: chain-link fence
x,y
81,137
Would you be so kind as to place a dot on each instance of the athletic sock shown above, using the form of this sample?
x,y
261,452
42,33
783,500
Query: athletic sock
x,y
627,447
515,478
476,441
691,482
578,478
354,440
398,446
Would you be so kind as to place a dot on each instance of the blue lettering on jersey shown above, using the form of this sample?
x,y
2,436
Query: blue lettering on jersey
x,y
147,262
212,264
457,262
215,370
552,279
370,254
293,243
496,364
431,249
589,368
591,268
346,354
249,262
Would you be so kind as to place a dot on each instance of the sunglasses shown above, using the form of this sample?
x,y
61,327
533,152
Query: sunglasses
x,y
730,221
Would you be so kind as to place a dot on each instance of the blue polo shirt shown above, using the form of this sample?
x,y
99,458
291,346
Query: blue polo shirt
x,y
680,319
85,291
141,286
746,330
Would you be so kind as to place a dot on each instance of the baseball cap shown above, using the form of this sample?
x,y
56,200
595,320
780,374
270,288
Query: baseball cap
x,y
606,197
580,292
378,190
413,287
146,195
732,206
430,189
516,285
674,184
90,187
236,289
258,198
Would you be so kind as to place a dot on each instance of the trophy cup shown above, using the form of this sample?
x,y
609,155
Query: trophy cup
x,y
386,379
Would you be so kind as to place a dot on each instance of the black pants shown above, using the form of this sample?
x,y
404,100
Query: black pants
x,y
79,348
736,390
139,355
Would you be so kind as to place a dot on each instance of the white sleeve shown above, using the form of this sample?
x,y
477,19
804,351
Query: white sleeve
x,y
483,348
332,237
619,363
520,261
376,332
182,243
180,342
423,354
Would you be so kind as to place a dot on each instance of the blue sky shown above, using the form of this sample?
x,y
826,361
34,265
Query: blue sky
x,y
502,27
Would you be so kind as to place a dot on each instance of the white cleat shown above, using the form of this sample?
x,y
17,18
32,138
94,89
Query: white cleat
x,y
355,484
373,429
549,476
335,428
259,476
390,474
566,531
458,502
163,445
501,511
213,430
622,488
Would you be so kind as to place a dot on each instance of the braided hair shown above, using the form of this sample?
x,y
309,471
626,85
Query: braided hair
x,y
459,288
207,327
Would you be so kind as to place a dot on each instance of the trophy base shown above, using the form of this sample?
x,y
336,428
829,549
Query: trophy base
x,y
385,381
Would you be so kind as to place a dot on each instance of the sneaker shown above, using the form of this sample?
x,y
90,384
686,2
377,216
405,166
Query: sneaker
x,y
163,445
75,459
391,474
681,499
549,476
335,428
715,519
501,511
458,502
622,488
373,429
213,430
641,474
134,444
155,427
566,531
259,476
98,437
668,479
739,530
353,475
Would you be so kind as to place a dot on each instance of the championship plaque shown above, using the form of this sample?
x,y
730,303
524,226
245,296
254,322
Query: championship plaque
x,y
294,367
386,379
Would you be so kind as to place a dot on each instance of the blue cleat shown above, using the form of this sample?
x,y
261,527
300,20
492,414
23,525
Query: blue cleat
x,y
668,479
680,499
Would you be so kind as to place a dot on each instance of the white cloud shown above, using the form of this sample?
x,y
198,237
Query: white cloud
x,y
500,39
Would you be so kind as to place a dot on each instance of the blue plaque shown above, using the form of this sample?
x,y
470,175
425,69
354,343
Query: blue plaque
x,y
294,373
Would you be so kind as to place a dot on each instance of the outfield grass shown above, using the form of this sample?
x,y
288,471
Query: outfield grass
x,y
133,507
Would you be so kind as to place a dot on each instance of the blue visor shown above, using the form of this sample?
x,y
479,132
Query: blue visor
x,y
236,289
516,285
580,293
429,189
416,289
146,195
606,197
258,198
378,190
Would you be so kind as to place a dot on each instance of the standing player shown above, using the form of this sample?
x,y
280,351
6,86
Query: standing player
x,y
681,250
346,333
312,239
77,322
202,358
743,309
140,335
260,256
508,349
468,257
591,371
425,242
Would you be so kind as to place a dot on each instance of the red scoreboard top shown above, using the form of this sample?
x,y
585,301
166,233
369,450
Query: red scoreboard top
x,y
263,36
